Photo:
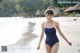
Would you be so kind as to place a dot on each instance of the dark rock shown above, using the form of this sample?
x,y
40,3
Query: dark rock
x,y
75,19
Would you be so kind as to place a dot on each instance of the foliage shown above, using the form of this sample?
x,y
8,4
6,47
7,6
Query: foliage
x,y
12,7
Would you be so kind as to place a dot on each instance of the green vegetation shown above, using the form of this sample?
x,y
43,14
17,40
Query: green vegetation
x,y
28,7
19,7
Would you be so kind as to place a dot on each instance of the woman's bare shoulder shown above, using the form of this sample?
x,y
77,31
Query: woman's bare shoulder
x,y
56,22
43,23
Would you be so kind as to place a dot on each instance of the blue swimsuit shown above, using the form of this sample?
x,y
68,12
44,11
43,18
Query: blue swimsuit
x,y
51,37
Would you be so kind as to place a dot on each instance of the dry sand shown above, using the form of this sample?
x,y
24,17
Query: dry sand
x,y
29,40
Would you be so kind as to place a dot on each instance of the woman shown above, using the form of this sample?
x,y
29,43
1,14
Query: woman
x,y
49,28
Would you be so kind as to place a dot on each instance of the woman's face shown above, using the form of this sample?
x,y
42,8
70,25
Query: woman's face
x,y
49,17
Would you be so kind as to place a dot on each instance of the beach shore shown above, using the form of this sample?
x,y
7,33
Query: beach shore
x,y
29,34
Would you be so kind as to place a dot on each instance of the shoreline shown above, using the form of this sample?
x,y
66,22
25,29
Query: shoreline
x,y
28,41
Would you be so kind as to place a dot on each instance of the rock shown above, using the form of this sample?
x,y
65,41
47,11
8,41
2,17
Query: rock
x,y
75,19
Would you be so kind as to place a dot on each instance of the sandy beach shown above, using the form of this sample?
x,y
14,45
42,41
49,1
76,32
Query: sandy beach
x,y
21,35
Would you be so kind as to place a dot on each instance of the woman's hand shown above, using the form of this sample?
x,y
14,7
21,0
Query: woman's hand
x,y
69,43
38,47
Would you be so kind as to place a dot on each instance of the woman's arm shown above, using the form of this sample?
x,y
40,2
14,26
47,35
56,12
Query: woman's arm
x,y
61,34
42,35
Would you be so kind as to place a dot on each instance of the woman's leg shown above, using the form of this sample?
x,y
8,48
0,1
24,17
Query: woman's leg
x,y
55,48
48,48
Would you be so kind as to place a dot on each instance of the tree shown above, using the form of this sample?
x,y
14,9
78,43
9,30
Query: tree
x,y
28,6
10,7
7,8
1,1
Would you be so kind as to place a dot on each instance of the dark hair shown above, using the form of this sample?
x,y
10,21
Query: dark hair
x,y
49,11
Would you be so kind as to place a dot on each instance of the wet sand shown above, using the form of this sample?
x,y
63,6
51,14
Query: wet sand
x,y
29,33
